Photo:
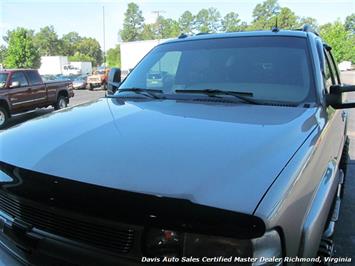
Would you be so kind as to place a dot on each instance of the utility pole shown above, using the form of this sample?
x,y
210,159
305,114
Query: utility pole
x,y
158,12
103,30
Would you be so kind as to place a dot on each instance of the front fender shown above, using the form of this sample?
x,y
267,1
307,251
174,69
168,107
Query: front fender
x,y
318,213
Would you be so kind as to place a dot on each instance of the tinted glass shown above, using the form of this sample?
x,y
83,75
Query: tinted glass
x,y
20,77
272,68
3,78
34,77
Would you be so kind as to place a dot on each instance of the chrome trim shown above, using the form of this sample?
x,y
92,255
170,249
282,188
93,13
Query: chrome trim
x,y
29,101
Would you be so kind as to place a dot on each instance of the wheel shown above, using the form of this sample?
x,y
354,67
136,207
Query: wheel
x,y
4,116
91,87
104,86
61,103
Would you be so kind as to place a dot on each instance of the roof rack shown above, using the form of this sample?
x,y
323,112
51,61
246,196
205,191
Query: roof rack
x,y
308,28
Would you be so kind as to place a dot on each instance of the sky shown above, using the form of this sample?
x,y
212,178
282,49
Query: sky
x,y
86,17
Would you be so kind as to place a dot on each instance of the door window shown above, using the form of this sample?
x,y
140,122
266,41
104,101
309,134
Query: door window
x,y
20,77
34,78
328,75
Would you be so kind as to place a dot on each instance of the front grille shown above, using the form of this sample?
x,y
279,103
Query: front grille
x,y
112,238
94,80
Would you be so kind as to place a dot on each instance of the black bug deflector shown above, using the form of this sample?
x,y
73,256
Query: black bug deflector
x,y
61,194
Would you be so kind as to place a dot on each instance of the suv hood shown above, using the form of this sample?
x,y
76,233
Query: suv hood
x,y
219,155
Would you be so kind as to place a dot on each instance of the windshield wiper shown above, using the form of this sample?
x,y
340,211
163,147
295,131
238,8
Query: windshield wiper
x,y
244,96
146,92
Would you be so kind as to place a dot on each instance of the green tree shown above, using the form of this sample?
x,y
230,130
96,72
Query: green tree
x,y
6,37
2,53
287,19
167,28
231,22
69,43
113,56
133,24
21,51
264,15
80,57
208,20
309,21
90,47
149,32
340,40
350,23
47,42
186,22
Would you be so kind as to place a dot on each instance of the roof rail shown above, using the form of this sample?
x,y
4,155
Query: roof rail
x,y
308,28
202,33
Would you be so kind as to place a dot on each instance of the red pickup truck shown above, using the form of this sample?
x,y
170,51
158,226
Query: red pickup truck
x,y
22,90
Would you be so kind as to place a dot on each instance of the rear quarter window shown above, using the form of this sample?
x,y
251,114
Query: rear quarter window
x,y
34,78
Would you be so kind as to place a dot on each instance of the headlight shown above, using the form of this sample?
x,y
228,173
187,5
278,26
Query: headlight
x,y
259,251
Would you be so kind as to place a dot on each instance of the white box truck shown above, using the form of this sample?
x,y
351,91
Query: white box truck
x,y
52,65
133,52
60,65
77,68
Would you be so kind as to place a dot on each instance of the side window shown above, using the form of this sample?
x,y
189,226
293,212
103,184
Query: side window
x,y
328,75
334,67
20,77
34,78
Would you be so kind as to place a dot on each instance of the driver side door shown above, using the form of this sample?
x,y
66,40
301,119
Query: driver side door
x,y
20,96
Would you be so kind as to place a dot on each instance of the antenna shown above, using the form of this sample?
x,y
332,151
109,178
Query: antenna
x,y
158,12
275,29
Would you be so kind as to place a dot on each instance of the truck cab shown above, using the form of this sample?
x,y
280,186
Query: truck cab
x,y
23,90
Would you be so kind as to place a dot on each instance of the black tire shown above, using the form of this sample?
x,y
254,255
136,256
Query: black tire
x,y
91,87
61,102
4,117
104,86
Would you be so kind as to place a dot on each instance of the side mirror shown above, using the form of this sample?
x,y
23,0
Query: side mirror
x,y
15,84
335,96
114,80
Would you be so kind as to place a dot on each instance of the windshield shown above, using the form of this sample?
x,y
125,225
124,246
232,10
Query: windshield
x,y
3,78
268,68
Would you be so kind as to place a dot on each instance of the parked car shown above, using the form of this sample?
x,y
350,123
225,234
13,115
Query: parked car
x,y
239,153
23,90
80,82
98,78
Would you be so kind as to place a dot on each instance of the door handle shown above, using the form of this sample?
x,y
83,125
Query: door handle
x,y
29,89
